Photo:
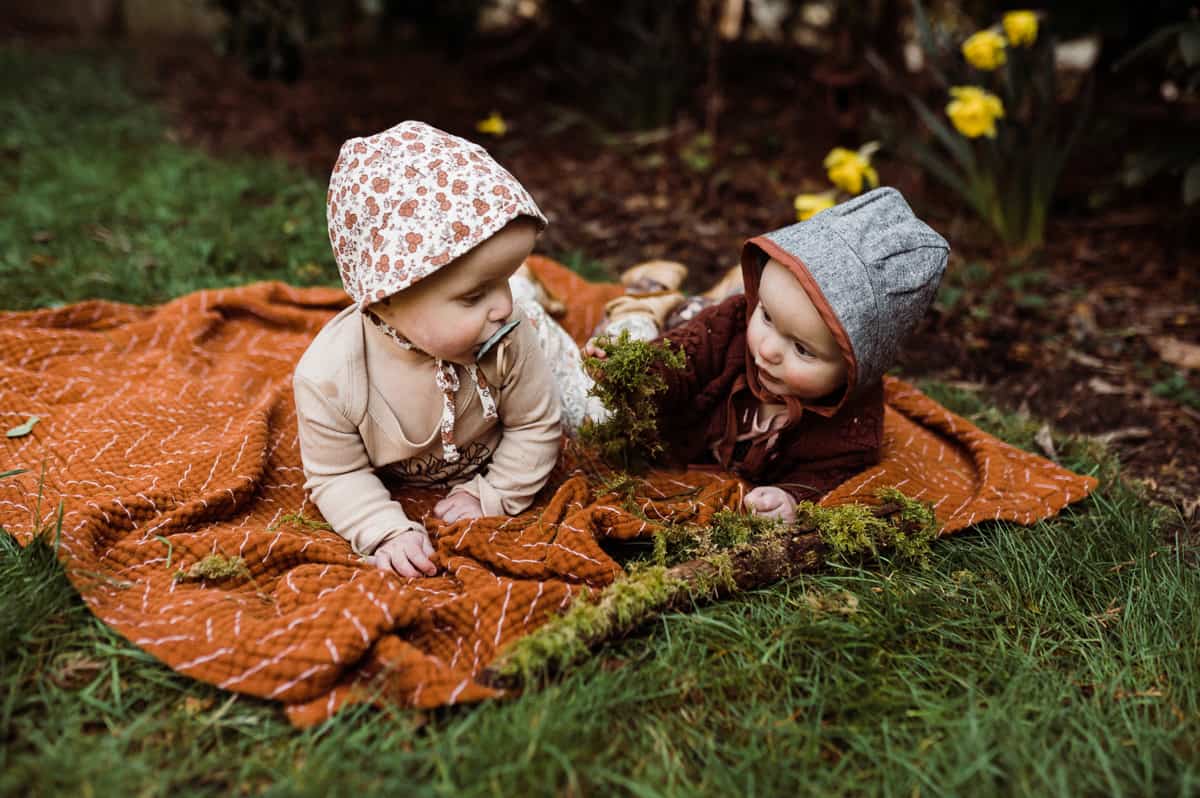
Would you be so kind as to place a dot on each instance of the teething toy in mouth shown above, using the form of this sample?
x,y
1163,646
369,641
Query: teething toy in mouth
x,y
495,338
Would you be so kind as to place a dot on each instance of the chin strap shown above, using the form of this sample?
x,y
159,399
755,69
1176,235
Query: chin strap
x,y
447,381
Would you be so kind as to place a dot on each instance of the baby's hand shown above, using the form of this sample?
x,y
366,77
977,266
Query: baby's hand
x,y
591,349
772,502
458,506
407,554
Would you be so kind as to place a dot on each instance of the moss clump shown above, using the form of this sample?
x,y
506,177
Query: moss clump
x,y
299,519
700,563
854,531
730,528
622,485
568,637
626,380
726,531
676,543
215,568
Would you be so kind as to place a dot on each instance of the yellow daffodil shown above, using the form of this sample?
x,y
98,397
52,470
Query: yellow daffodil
x,y
809,205
494,125
848,170
1021,27
974,111
984,50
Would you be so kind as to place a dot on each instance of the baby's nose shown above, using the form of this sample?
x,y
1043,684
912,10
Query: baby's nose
x,y
501,310
770,349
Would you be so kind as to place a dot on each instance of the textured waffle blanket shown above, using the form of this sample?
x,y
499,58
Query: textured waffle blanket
x,y
168,435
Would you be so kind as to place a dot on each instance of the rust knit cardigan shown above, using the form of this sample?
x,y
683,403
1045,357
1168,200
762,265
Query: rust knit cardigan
x,y
708,403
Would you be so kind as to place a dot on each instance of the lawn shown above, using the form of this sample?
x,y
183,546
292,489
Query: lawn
x,y
1059,659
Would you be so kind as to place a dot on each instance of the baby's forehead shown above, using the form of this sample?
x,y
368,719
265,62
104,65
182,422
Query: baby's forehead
x,y
778,272
787,299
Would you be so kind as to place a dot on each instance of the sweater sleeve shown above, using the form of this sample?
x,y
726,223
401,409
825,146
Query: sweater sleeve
x,y
705,341
530,415
340,476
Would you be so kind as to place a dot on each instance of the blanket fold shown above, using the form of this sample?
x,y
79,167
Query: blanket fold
x,y
169,436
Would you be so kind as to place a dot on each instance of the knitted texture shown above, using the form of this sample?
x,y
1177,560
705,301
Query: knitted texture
x,y
169,435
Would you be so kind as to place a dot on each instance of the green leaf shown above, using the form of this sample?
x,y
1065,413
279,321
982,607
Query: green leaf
x,y
13,473
958,146
1191,184
21,430
943,171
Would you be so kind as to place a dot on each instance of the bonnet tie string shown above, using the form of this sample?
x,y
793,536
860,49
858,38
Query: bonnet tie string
x,y
447,381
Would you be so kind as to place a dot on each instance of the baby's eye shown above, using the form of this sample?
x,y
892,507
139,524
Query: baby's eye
x,y
801,349
766,316
471,299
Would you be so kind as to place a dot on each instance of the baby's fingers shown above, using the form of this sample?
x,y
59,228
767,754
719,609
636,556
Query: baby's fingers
x,y
419,559
592,350
451,513
448,509
397,564
760,501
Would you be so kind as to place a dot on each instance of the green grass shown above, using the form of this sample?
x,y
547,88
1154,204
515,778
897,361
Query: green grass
x,y
1060,659
97,202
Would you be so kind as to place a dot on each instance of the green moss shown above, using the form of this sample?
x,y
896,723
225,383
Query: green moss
x,y
730,528
626,381
916,527
855,531
676,543
215,567
903,525
568,637
712,583
300,519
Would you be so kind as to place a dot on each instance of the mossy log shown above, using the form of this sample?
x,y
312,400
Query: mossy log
x,y
647,592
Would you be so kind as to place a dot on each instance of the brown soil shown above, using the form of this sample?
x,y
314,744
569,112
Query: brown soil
x,y
1073,343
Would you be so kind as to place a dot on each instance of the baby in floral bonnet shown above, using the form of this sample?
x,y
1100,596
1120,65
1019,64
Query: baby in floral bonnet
x,y
433,376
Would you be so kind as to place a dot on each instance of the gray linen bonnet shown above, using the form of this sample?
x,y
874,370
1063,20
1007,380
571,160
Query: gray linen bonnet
x,y
878,267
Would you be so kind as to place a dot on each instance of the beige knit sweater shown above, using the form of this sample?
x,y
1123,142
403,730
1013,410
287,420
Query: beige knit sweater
x,y
367,408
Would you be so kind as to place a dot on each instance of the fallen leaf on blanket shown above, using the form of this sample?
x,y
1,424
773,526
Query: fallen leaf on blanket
x,y
21,430
215,567
73,671
1045,441
1176,352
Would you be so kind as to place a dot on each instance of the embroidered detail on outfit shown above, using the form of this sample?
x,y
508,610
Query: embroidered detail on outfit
x,y
432,471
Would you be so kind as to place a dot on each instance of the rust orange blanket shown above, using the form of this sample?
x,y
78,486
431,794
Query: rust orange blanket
x,y
168,434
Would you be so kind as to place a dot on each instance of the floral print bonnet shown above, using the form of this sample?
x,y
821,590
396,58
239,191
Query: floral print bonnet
x,y
402,204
